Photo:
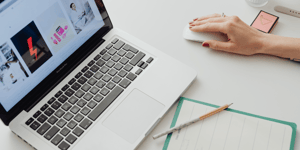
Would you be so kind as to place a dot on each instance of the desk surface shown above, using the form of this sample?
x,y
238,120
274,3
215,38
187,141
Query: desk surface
x,y
263,85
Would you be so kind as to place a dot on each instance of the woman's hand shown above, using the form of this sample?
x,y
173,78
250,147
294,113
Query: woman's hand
x,y
242,39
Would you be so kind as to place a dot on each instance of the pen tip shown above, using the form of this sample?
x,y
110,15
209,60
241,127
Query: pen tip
x,y
230,104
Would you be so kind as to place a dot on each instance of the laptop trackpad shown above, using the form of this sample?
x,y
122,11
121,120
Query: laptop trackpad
x,y
133,116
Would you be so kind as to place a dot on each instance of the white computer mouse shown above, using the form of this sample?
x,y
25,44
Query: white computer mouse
x,y
202,36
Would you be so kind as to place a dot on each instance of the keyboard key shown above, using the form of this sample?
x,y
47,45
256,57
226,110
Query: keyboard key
x,y
139,71
116,79
85,111
75,109
137,58
124,83
110,64
73,100
62,99
81,103
71,81
97,57
134,50
68,116
84,69
103,51
119,45
92,81
65,87
105,103
149,60
52,120
106,57
98,75
85,87
129,55
126,47
58,94
75,86
104,69
94,68
140,64
100,63
94,90
65,131
121,53
106,78
98,98
144,65
85,123
115,41
112,72
72,124
66,106
37,114
56,105
64,146
71,138
118,66
78,117
51,100
78,75
79,93
91,104
44,128
61,123
124,61
109,46
91,63
110,85
29,121
69,92
51,132
116,58
111,51
82,80
88,74
35,125
122,73
49,112
104,91
88,96
77,131
131,76
44,107
57,139
100,84
128,67
59,113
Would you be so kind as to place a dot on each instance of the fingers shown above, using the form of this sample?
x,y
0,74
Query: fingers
x,y
211,20
218,45
209,27
207,17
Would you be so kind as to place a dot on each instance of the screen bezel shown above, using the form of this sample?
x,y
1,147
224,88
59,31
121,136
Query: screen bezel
x,y
275,22
45,86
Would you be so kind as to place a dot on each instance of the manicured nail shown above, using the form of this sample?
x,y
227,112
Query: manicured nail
x,y
192,25
228,39
195,19
205,44
191,22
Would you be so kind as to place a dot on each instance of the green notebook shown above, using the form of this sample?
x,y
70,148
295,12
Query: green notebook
x,y
230,129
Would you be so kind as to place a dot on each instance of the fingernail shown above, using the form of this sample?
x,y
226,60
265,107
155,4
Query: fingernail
x,y
228,39
191,22
205,44
195,19
192,25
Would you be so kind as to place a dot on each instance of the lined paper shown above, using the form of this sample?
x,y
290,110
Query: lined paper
x,y
228,131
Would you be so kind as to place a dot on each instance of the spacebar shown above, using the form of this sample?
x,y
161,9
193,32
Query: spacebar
x,y
105,103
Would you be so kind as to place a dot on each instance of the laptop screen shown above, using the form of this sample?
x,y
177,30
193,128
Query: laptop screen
x,y
36,37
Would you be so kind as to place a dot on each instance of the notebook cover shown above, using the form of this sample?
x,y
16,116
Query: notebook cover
x,y
293,125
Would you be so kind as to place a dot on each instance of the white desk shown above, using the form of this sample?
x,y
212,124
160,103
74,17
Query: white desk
x,y
262,85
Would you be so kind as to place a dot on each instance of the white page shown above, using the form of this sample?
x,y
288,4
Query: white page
x,y
227,131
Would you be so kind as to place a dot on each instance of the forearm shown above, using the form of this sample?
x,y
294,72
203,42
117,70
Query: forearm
x,y
285,47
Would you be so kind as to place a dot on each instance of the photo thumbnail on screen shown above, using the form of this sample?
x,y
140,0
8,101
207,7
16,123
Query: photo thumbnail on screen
x,y
79,12
11,70
31,46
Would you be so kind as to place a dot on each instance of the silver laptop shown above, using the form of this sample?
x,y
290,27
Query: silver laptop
x,y
70,81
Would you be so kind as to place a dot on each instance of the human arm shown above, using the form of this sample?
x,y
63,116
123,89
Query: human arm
x,y
244,39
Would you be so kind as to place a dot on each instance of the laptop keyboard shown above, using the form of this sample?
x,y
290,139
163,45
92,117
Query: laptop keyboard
x,y
72,110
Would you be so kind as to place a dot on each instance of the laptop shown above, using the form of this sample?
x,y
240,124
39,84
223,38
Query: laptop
x,y
71,81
